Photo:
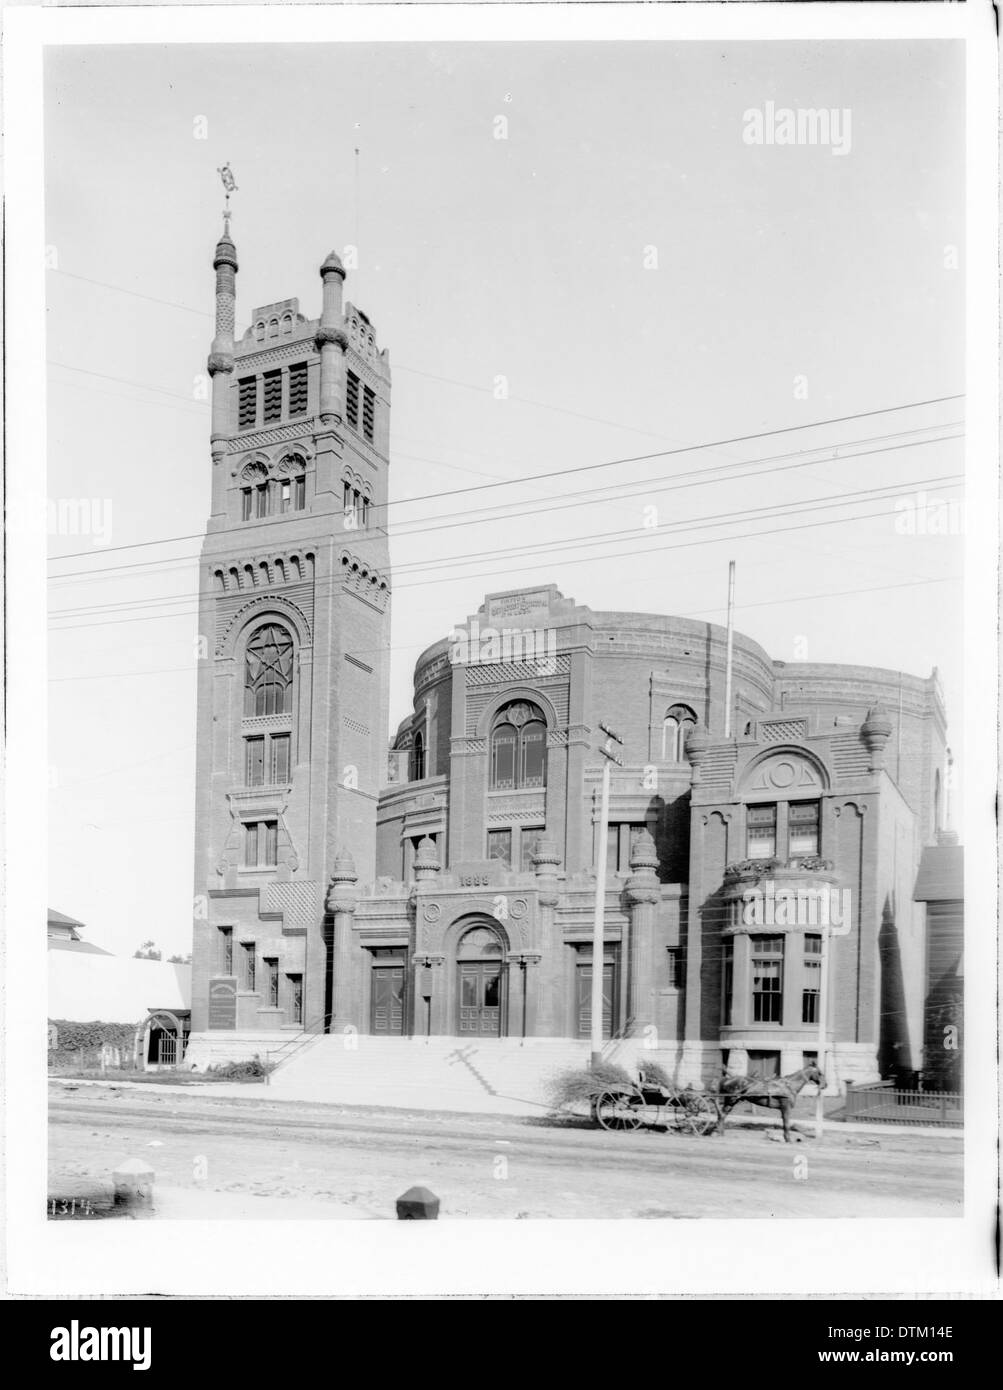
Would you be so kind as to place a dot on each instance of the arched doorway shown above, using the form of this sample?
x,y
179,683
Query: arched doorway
x,y
480,983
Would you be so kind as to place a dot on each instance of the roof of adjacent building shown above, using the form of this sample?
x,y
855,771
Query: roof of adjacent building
x,y
60,919
80,948
941,876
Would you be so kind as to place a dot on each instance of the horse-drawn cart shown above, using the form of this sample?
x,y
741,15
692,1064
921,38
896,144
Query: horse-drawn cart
x,y
628,1105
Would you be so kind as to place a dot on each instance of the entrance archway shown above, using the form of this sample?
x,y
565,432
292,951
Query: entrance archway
x,y
481,1001
160,1040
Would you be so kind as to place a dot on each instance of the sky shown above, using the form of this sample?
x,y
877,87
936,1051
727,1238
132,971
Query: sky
x,y
622,274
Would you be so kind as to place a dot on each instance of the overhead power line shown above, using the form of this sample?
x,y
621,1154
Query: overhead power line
x,y
198,535
793,508
587,559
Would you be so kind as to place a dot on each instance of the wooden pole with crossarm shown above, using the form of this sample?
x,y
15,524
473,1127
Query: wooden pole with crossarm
x,y
611,755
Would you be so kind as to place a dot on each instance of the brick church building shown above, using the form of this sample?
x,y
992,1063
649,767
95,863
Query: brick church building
x,y
447,888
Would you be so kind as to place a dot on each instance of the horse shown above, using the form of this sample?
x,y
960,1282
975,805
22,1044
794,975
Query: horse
x,y
777,1093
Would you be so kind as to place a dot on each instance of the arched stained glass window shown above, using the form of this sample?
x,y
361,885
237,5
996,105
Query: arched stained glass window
x,y
519,747
677,726
268,671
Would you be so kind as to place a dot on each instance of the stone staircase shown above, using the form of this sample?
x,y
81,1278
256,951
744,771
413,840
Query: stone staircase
x,y
484,1075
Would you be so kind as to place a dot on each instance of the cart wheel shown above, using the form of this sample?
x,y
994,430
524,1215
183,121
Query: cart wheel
x,y
696,1114
616,1110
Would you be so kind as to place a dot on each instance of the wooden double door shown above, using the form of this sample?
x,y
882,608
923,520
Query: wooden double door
x,y
479,1010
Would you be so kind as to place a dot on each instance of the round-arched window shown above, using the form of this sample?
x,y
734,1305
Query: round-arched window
x,y
418,758
268,671
677,726
518,747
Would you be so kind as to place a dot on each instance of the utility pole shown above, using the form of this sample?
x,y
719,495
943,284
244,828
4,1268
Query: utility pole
x,y
728,657
823,999
598,950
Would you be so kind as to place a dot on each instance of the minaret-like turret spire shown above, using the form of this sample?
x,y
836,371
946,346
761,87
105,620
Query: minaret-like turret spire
x,y
332,341
220,362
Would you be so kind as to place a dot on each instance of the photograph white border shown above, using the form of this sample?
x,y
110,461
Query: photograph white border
x,y
825,1258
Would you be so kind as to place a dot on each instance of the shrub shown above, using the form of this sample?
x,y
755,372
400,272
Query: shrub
x,y
577,1086
251,1069
78,1037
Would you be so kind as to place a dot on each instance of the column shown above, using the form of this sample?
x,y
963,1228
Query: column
x,y
548,1001
342,901
643,894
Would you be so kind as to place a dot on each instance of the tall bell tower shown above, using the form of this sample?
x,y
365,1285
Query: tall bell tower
x,y
293,678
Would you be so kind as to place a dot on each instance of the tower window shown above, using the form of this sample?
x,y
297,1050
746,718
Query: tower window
x,y
519,747
286,495
266,760
254,762
299,492
273,396
261,840
246,503
368,411
226,950
278,762
247,407
352,400
297,388
268,672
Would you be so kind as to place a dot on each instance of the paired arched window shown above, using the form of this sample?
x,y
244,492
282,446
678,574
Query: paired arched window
x,y
268,671
677,726
418,758
519,747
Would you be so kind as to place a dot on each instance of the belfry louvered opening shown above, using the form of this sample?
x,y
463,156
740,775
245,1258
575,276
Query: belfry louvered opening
x,y
273,396
352,401
247,406
297,389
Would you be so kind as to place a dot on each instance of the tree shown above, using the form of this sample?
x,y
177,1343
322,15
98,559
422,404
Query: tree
x,y
148,951
180,960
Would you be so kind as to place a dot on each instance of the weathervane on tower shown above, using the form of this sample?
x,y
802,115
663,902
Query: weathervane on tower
x,y
230,185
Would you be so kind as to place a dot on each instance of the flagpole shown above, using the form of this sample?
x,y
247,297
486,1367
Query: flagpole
x,y
728,657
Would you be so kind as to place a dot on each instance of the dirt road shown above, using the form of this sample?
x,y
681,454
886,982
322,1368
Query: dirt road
x,y
255,1158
